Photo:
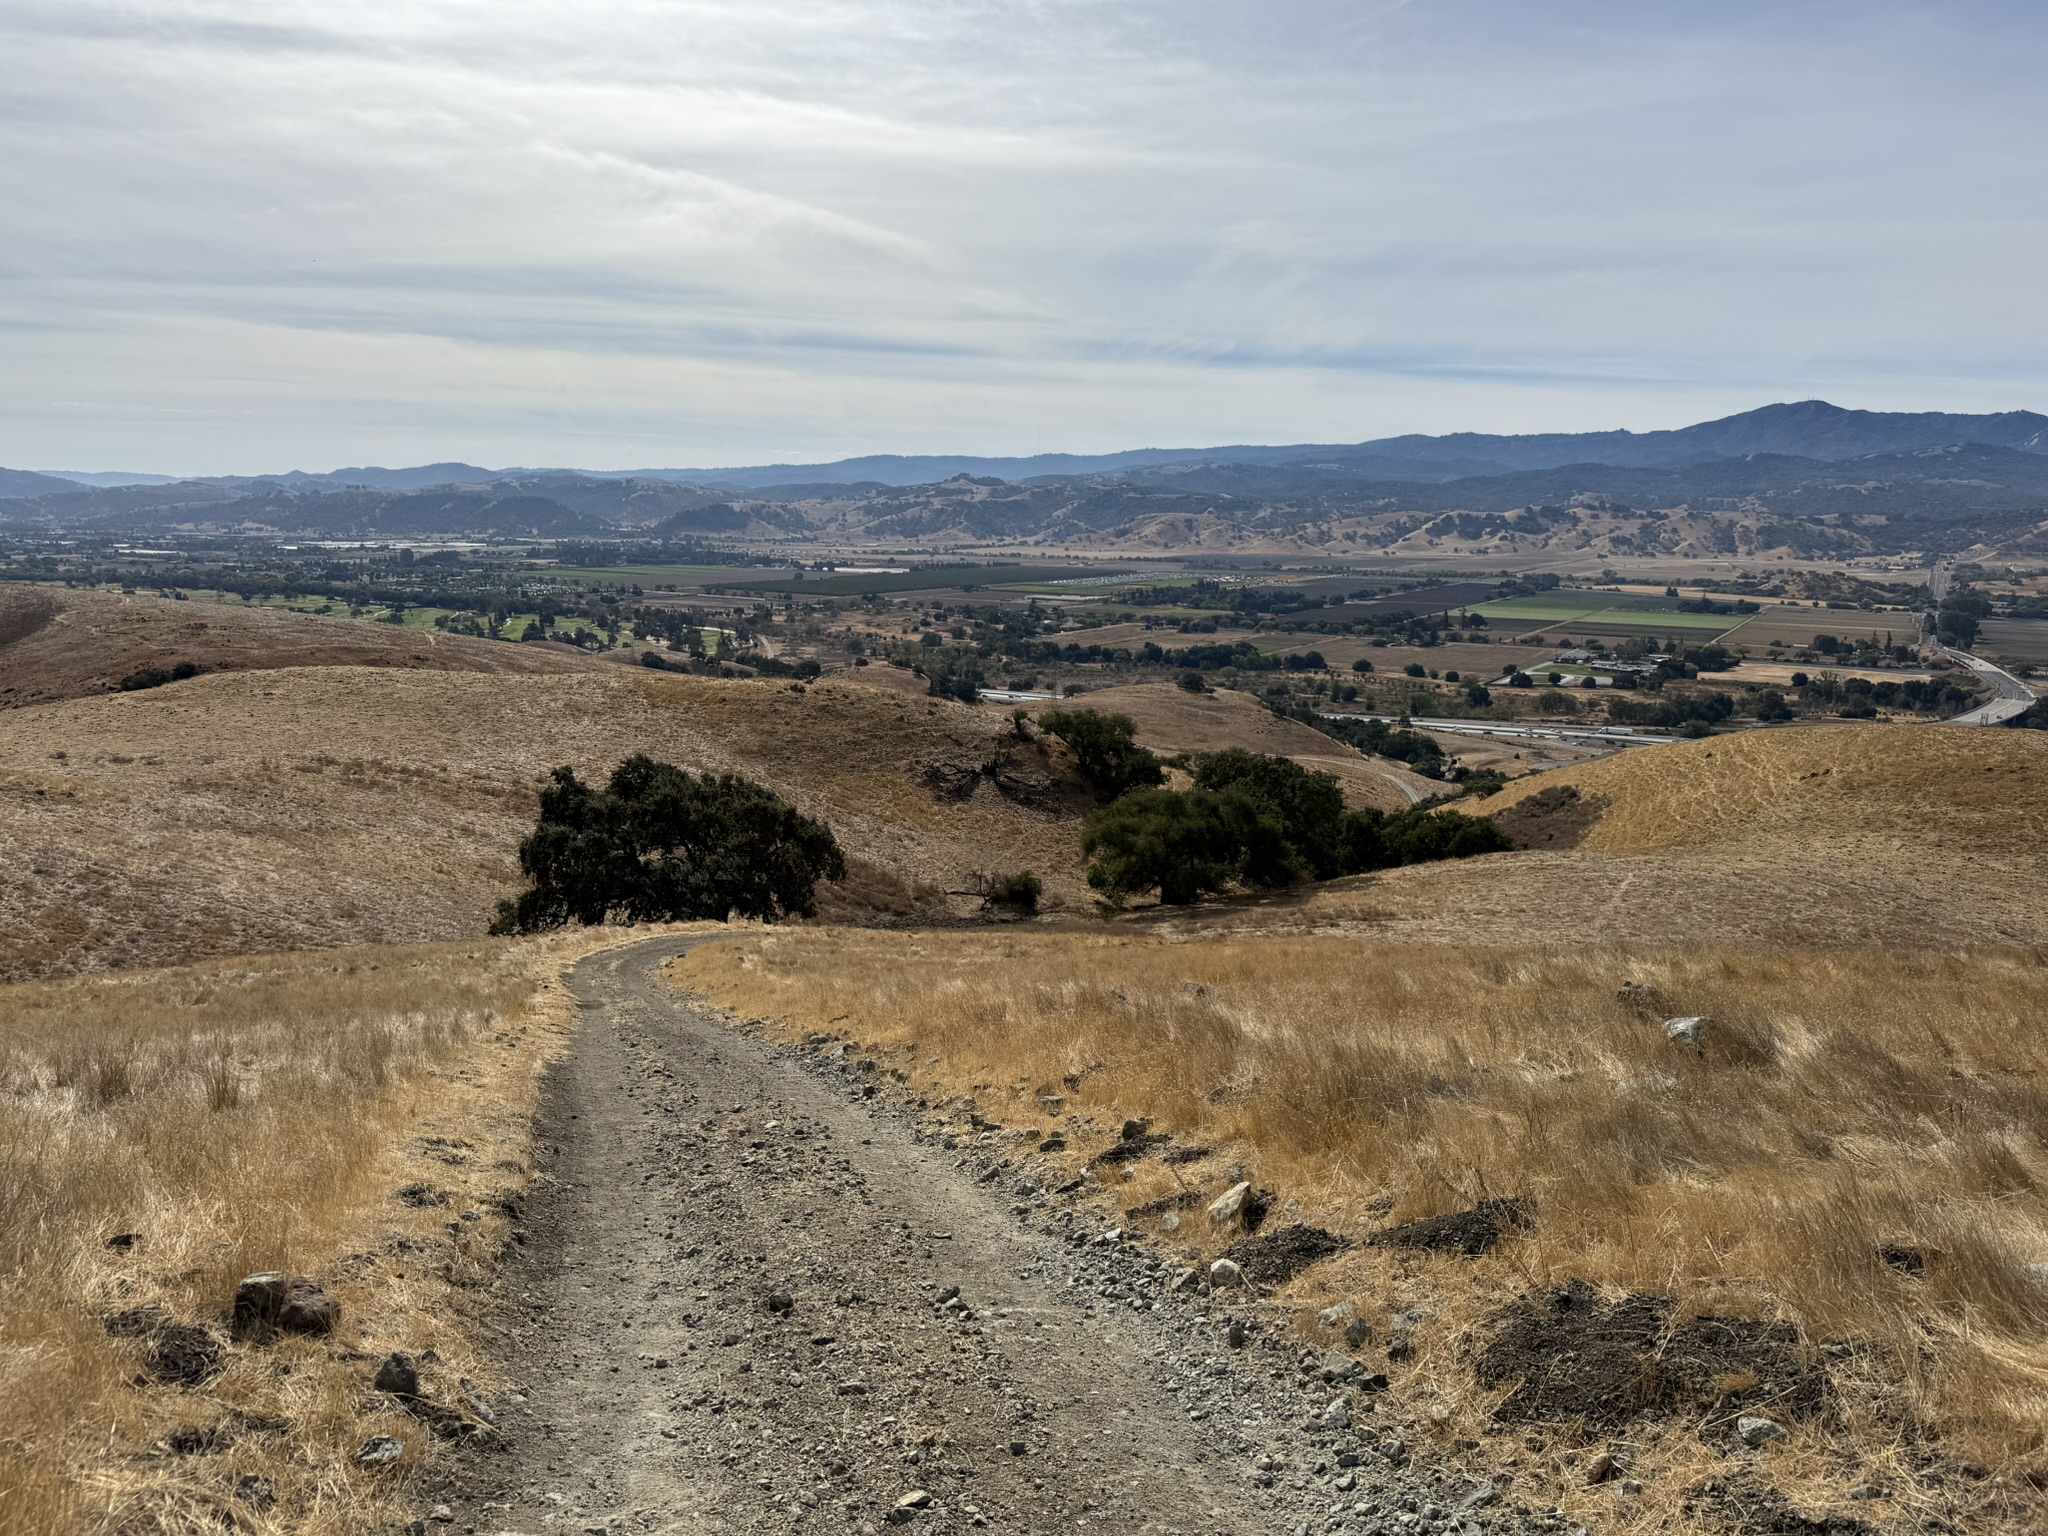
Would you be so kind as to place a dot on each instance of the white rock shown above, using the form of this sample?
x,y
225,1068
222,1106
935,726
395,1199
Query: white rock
x,y
1339,1315
1228,1207
1754,1429
1687,1031
1225,1272
1337,1415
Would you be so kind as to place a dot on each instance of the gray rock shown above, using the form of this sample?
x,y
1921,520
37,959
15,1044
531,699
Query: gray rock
x,y
399,1375
1185,1280
780,1302
1686,1031
1357,1332
852,1389
380,1451
1337,1316
1338,1366
1225,1272
1601,1468
1754,1429
908,1507
1478,1498
1236,1335
1346,1482
1227,1209
1336,1414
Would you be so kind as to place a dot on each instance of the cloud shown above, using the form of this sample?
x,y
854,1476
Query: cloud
x,y
960,225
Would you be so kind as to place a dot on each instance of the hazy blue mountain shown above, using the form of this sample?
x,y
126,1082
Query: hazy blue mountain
x,y
27,483
1810,429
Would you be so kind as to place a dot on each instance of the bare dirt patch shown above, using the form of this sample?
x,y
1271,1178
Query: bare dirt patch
x,y
1558,817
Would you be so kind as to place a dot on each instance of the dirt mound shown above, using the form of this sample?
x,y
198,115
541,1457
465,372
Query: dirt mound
x,y
1474,1231
176,1354
1274,1258
1579,1358
63,644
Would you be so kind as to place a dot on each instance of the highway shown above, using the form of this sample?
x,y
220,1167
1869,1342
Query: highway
x,y
2014,697
1586,736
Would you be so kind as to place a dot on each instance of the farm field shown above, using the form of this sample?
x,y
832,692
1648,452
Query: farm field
x,y
2020,640
1797,626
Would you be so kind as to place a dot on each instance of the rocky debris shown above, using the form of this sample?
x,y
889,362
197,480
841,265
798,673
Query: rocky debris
x,y
1602,1468
1578,1357
1690,1031
1274,1258
1337,1367
1336,1414
781,1302
1338,1316
268,1303
1753,1429
399,1375
256,1492
1639,994
1474,1231
1358,1332
380,1451
420,1196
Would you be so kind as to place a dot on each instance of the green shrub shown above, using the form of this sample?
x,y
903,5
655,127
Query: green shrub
x,y
659,844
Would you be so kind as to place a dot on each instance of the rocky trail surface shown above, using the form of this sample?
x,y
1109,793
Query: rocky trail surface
x,y
755,1293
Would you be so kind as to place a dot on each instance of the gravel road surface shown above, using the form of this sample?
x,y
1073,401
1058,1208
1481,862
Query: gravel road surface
x,y
757,1291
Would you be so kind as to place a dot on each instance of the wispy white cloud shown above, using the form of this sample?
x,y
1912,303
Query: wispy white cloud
x,y
845,225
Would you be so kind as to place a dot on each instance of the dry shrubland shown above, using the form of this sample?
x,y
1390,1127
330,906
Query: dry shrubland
x,y
1847,1107
163,1134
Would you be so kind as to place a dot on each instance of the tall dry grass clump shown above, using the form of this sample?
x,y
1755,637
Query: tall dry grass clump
x,y
1858,1145
163,1134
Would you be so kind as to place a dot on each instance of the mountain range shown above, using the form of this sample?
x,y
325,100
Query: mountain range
x,y
1906,480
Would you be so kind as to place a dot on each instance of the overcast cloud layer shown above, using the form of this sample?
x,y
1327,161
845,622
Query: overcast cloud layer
x,y
261,234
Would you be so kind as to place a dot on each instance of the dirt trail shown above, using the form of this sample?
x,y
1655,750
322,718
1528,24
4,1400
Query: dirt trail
x,y
727,1317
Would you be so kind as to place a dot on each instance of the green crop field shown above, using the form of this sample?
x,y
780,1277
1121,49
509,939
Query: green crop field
x,y
693,575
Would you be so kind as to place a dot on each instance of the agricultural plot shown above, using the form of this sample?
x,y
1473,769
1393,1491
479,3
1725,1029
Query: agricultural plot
x,y
1797,627
951,578
2019,640
1598,614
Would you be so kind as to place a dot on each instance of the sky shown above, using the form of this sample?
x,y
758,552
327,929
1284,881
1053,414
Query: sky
x,y
254,235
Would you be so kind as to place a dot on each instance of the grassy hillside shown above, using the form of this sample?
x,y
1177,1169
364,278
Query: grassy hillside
x,y
1852,834
61,644
240,812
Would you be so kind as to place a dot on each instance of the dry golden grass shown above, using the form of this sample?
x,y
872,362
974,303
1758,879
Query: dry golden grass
x,y
313,806
1845,1099
236,1117
1851,834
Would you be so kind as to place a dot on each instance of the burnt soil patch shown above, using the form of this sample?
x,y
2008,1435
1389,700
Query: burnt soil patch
x,y
1558,817
1474,1231
1577,1357
177,1354
1274,1258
